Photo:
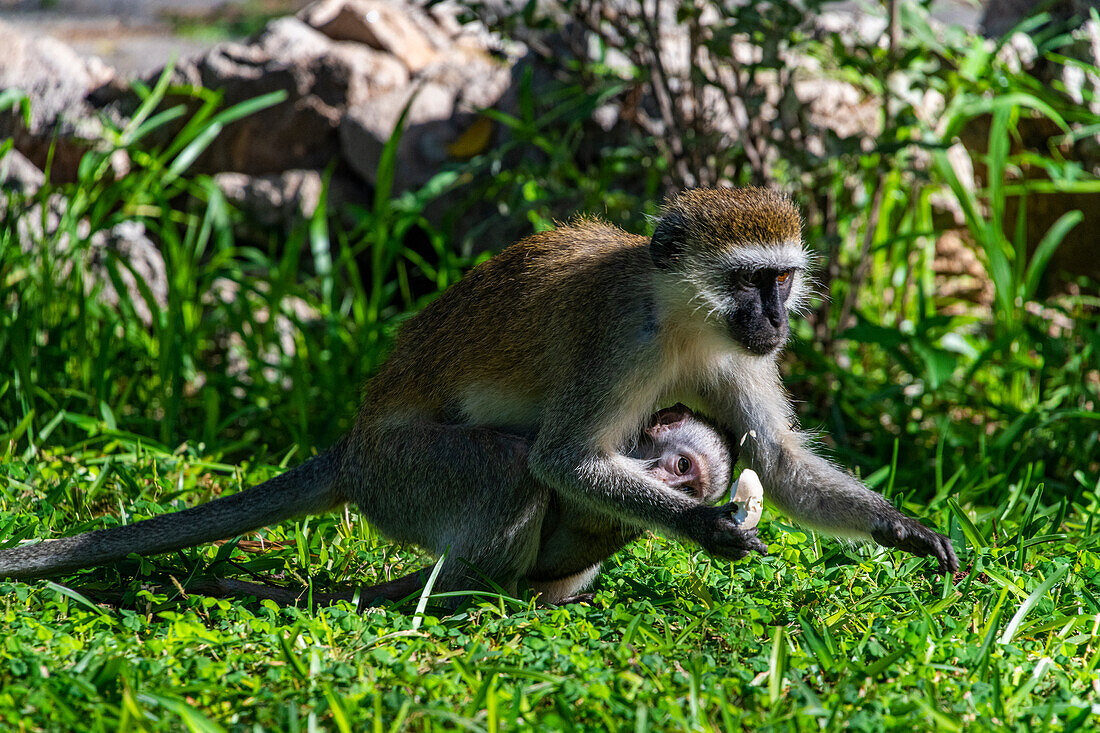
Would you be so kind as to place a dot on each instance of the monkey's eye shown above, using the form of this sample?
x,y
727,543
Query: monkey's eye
x,y
683,465
783,276
742,281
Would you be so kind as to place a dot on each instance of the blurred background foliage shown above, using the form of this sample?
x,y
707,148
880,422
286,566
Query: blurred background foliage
x,y
266,338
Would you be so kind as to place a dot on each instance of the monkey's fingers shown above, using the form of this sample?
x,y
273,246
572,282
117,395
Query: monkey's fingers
x,y
949,562
718,532
757,545
911,536
740,552
736,544
939,547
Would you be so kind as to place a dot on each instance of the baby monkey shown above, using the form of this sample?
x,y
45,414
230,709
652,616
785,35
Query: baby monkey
x,y
523,531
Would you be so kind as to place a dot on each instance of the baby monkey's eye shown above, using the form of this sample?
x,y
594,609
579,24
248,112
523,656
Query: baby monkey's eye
x,y
683,465
782,277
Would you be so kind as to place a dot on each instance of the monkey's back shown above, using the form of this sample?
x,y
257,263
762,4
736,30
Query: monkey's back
x,y
504,327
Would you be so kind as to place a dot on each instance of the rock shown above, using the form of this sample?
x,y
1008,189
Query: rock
x,y
347,69
344,90
138,257
276,198
282,199
444,100
839,108
385,26
320,77
58,82
423,146
19,174
231,351
128,242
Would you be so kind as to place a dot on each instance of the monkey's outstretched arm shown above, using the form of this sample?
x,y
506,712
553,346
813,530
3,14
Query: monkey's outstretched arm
x,y
610,484
807,487
310,488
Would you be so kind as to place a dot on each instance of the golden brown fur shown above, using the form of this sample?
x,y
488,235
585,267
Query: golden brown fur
x,y
733,217
494,327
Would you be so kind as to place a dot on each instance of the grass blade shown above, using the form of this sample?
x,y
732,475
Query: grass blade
x,y
1047,246
418,614
1029,603
777,665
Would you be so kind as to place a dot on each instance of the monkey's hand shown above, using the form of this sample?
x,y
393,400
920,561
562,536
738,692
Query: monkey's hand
x,y
715,529
906,533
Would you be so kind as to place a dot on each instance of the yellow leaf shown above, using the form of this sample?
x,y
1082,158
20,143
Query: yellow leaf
x,y
474,140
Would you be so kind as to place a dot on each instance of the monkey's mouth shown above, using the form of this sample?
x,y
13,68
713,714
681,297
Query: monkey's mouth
x,y
759,339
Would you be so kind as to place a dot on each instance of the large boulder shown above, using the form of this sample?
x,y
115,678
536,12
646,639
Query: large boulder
x,y
58,83
453,75
442,122
347,69
18,174
402,30
284,199
320,78
124,249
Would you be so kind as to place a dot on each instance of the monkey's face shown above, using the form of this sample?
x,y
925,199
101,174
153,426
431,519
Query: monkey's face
x,y
684,469
747,293
738,256
685,453
756,314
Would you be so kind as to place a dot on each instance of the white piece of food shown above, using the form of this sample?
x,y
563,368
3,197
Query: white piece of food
x,y
748,492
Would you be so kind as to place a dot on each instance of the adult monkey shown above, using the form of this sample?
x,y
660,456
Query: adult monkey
x,y
575,336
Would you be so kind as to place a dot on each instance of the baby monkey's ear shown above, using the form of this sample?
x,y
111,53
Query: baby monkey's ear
x,y
669,417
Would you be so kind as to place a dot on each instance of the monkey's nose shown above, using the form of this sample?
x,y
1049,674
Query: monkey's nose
x,y
774,311
775,317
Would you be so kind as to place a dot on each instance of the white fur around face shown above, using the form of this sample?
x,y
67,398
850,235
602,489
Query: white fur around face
x,y
705,280
786,256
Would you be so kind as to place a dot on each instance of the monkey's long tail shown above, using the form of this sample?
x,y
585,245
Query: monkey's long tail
x,y
309,488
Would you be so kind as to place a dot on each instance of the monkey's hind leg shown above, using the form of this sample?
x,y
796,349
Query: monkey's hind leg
x,y
460,490
570,589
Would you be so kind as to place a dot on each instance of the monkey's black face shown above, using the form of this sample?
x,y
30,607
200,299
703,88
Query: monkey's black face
x,y
757,318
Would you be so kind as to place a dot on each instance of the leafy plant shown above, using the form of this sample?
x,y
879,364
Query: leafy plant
x,y
227,348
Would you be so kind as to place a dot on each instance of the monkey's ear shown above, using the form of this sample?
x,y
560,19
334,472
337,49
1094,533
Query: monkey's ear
x,y
669,417
668,240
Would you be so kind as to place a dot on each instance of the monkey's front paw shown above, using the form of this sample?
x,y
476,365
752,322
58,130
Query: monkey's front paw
x,y
910,535
720,533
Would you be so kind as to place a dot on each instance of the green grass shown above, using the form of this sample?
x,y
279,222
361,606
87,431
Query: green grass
x,y
983,424
815,635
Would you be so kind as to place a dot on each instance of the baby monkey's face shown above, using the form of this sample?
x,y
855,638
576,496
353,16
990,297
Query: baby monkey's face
x,y
681,468
686,453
